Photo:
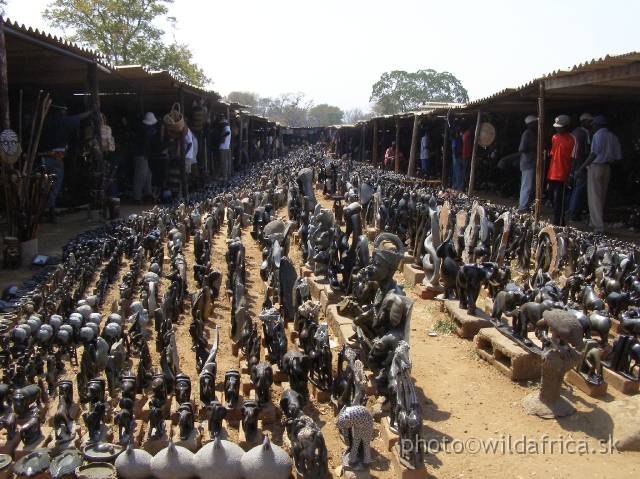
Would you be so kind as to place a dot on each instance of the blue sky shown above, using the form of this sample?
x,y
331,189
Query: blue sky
x,y
334,51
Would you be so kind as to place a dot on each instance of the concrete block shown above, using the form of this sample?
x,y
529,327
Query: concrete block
x,y
423,292
406,259
620,383
336,320
305,272
267,414
403,472
193,442
412,275
467,326
585,386
319,395
506,356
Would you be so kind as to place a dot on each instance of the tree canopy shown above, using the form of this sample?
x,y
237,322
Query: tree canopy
x,y
399,91
125,33
291,109
325,115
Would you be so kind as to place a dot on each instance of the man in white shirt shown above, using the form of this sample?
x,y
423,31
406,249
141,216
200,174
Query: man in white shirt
x,y
605,149
223,153
425,154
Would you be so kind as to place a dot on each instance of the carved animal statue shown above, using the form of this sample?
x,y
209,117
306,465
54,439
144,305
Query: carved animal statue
x,y
590,300
10,423
31,431
618,302
630,321
185,420
601,324
308,448
355,425
24,397
449,267
216,412
529,313
232,388
250,413
468,282
506,301
156,422
262,379
124,420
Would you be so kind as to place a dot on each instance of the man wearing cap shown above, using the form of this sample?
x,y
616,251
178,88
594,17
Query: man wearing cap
x,y
53,146
141,152
605,149
223,151
528,146
582,135
563,151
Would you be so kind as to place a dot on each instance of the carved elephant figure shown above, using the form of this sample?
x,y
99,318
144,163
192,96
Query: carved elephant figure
x,y
216,412
207,387
156,422
128,384
262,379
590,300
291,403
506,301
250,413
232,388
449,267
530,313
185,420
183,388
468,281
297,365
24,397
124,420
10,423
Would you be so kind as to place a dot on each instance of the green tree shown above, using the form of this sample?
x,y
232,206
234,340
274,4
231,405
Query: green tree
x,y
125,33
3,3
399,91
355,114
325,115
248,98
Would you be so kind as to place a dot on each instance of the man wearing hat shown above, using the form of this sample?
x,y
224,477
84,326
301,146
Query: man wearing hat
x,y
142,173
563,151
52,147
605,149
582,135
223,155
528,147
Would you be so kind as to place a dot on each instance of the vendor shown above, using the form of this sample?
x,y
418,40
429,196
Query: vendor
x,y
53,146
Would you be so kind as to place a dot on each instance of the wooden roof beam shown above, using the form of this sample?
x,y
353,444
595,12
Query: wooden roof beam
x,y
595,76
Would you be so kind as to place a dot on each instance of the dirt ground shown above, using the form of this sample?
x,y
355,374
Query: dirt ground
x,y
463,399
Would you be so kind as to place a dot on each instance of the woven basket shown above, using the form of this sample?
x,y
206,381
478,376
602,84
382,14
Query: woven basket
x,y
108,143
174,120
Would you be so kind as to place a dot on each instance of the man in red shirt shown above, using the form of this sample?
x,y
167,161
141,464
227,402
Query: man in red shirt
x,y
390,157
467,151
563,152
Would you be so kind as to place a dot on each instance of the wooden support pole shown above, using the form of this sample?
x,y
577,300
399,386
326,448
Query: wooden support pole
x,y
474,154
397,169
4,83
362,141
95,99
181,100
250,139
540,155
240,139
445,151
415,146
375,143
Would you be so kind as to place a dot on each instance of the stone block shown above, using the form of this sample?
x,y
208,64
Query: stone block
x,y
305,272
57,448
256,441
423,293
412,275
154,446
316,286
246,386
267,414
234,416
336,320
389,438
467,326
507,356
585,386
331,294
206,437
279,377
620,383
193,442
403,472
319,395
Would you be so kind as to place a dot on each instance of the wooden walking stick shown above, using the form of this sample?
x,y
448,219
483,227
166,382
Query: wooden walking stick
x,y
33,126
45,109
